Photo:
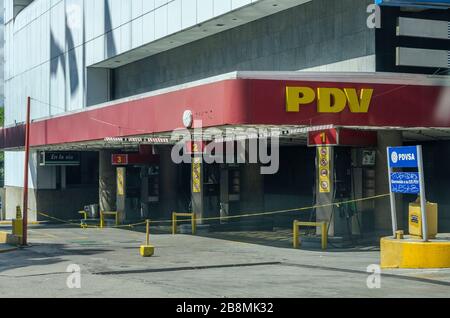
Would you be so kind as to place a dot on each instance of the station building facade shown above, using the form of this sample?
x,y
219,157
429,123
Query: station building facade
x,y
110,80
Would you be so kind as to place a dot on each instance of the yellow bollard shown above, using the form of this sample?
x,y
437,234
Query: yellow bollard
x,y
147,232
18,213
194,224
193,221
84,214
296,236
101,219
174,223
324,235
17,225
399,235
17,228
147,250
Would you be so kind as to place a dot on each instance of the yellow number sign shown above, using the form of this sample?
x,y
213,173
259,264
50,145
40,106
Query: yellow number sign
x,y
120,181
324,169
196,175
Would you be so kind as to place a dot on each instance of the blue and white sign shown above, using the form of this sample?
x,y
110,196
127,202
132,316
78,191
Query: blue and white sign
x,y
432,4
405,182
403,157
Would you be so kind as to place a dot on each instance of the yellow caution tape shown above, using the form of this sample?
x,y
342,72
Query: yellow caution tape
x,y
245,215
64,221
89,226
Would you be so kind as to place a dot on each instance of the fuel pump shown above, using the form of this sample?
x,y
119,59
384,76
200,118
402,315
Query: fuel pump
x,y
211,188
345,171
343,188
153,184
230,190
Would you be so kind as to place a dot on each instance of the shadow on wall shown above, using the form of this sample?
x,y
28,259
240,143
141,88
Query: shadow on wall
x,y
57,55
58,60
70,68
302,37
110,43
73,63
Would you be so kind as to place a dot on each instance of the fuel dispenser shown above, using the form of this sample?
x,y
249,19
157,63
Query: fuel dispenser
x,y
343,191
351,176
363,186
235,184
211,188
345,163
128,193
230,190
153,184
137,184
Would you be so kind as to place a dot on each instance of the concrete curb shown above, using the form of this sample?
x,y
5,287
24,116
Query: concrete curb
x,y
414,254
29,223
6,238
8,249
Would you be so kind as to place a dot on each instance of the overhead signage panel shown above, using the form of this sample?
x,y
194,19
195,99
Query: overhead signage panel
x,y
119,159
342,137
327,137
48,158
131,159
403,157
405,182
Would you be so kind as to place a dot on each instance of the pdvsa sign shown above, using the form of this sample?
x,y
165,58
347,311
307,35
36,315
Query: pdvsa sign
x,y
329,100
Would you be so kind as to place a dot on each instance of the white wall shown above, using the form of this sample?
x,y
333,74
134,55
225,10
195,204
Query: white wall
x,y
14,161
38,177
50,44
2,38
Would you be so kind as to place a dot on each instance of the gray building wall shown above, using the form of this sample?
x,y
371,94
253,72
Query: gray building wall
x,y
413,41
309,36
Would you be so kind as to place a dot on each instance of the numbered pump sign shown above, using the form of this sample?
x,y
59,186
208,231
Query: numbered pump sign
x,y
407,182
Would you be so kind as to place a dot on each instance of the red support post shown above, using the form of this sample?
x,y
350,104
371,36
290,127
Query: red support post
x,y
25,175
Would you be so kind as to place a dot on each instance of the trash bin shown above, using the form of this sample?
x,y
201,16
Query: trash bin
x,y
415,219
92,211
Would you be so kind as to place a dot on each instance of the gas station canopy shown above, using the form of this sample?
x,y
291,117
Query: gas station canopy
x,y
293,102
